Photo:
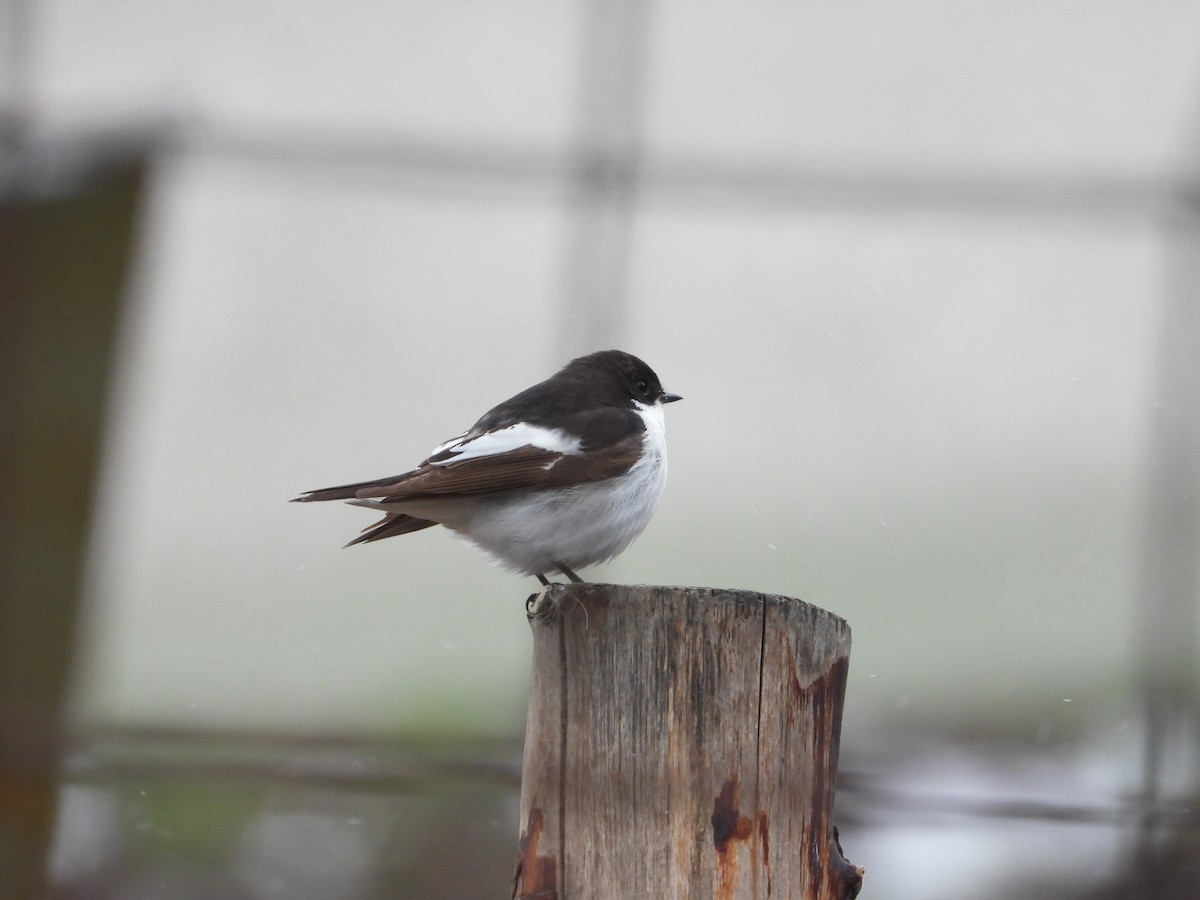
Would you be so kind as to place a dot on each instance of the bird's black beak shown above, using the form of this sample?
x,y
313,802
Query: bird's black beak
x,y
668,397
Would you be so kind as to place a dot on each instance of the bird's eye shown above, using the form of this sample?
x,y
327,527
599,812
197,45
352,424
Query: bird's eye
x,y
642,388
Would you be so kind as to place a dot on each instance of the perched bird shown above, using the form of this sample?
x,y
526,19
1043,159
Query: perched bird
x,y
563,475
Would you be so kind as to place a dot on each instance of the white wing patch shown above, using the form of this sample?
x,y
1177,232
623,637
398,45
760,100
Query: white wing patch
x,y
446,445
493,443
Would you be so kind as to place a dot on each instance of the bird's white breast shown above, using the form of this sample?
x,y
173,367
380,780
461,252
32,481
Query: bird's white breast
x,y
575,526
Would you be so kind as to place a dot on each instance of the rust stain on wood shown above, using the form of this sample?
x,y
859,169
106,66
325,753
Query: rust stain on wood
x,y
819,703
729,826
727,821
534,877
764,836
823,862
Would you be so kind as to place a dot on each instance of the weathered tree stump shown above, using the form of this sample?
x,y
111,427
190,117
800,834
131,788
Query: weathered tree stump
x,y
682,743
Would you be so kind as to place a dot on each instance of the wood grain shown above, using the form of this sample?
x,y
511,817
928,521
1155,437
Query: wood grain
x,y
682,742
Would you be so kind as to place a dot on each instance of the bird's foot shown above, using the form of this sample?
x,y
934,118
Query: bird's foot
x,y
575,578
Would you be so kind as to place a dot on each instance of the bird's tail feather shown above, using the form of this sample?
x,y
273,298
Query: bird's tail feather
x,y
344,491
390,525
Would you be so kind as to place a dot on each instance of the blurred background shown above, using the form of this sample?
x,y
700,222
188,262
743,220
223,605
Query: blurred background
x,y
927,276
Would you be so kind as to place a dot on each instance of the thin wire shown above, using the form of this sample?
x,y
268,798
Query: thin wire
x,y
698,181
105,755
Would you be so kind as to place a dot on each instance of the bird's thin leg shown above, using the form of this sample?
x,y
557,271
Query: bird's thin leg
x,y
542,579
575,578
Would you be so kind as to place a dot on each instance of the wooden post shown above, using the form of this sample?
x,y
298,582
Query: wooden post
x,y
68,226
682,743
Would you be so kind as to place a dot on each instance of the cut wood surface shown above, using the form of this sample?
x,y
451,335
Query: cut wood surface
x,y
682,743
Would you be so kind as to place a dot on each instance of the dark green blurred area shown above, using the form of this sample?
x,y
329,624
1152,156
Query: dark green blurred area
x,y
236,816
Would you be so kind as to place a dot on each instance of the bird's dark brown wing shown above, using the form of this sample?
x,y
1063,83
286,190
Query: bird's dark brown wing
x,y
525,468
